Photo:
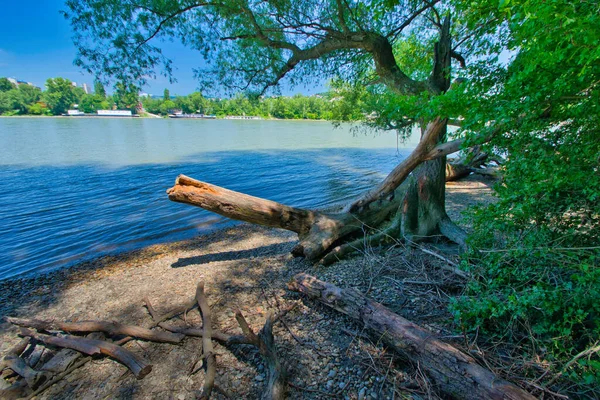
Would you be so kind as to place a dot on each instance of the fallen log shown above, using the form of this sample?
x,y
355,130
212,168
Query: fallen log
x,y
456,373
240,206
110,328
319,231
135,363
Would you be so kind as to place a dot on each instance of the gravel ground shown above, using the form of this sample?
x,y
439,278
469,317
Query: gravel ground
x,y
246,267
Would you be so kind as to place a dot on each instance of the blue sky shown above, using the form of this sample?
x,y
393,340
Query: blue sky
x,y
35,44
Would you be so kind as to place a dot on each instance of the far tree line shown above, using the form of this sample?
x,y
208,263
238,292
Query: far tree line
x,y
61,94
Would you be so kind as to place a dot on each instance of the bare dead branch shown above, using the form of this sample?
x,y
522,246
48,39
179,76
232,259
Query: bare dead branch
x,y
135,363
110,328
207,347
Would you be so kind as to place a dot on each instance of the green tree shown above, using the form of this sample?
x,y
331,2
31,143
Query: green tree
x,y
6,85
99,89
354,42
421,63
91,103
59,95
166,95
126,96
167,107
534,251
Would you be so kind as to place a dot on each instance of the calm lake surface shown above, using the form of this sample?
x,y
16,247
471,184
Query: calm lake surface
x,y
75,189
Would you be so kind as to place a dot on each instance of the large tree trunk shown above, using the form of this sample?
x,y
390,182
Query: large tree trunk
x,y
409,203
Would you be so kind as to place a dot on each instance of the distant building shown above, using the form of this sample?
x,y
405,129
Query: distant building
x,y
114,113
74,84
18,82
86,88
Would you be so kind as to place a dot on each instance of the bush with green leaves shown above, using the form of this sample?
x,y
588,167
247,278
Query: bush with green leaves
x,y
535,252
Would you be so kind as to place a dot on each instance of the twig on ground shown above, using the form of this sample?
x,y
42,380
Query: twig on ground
x,y
207,347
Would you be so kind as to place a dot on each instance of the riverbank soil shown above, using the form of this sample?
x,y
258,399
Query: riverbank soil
x,y
246,267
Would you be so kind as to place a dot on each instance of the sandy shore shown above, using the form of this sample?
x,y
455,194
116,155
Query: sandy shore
x,y
245,267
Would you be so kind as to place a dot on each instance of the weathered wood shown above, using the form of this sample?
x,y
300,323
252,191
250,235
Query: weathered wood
x,y
183,309
110,328
318,231
12,361
207,347
61,361
240,206
454,372
135,363
264,342
17,390
56,378
276,383
20,367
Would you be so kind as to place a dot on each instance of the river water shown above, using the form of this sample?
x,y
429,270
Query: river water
x,y
75,189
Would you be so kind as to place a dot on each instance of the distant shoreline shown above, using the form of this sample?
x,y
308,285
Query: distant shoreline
x,y
149,117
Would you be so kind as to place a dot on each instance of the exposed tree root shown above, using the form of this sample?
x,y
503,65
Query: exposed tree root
x,y
348,249
453,232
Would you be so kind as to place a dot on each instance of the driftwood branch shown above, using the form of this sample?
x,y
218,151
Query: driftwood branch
x,y
265,343
110,328
135,363
183,309
17,390
455,372
207,347
13,361
59,376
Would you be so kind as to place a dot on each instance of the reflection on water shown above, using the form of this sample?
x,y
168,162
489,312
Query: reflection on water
x,y
76,189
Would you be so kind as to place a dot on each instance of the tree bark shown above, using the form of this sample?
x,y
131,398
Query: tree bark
x,y
455,372
240,206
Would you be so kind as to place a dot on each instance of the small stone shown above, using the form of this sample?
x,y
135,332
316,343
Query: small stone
x,y
259,378
330,384
362,393
342,385
332,373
